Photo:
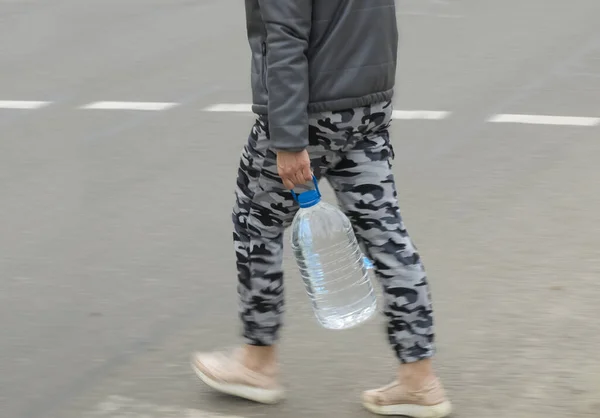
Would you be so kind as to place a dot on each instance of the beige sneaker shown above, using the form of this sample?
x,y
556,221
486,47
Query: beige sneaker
x,y
396,399
225,373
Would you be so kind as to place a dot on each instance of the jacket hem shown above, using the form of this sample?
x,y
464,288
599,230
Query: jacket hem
x,y
337,105
350,102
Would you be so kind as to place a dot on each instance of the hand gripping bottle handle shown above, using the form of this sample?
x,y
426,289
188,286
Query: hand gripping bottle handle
x,y
310,197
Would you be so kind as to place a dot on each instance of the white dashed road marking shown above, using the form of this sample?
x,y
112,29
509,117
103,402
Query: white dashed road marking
x,y
397,114
21,104
225,107
545,120
419,114
432,115
122,407
130,106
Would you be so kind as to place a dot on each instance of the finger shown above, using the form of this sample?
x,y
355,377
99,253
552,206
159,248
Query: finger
x,y
284,173
288,183
307,173
299,178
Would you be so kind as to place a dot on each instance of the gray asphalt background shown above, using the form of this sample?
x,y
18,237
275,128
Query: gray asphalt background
x,y
116,258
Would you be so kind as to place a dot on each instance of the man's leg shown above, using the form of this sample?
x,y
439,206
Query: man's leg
x,y
365,189
262,210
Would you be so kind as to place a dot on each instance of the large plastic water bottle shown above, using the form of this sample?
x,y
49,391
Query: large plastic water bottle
x,y
332,266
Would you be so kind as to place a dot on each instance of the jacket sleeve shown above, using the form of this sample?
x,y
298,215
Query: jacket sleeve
x,y
288,24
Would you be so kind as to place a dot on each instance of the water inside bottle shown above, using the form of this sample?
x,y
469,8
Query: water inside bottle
x,y
333,267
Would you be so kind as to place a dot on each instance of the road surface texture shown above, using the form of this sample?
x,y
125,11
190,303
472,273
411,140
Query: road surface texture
x,y
116,255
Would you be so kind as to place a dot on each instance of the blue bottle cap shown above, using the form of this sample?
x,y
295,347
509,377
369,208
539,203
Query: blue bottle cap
x,y
309,198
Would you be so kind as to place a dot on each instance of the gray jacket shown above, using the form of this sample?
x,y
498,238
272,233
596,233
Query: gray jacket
x,y
318,55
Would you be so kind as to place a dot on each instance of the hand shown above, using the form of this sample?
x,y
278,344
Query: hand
x,y
294,168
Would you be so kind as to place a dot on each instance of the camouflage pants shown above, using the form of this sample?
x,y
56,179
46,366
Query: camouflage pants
x,y
352,150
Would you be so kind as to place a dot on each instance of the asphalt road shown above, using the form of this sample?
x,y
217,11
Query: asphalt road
x,y
116,258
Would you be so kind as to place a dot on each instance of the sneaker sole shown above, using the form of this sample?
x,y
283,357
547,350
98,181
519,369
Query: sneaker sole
x,y
265,396
415,411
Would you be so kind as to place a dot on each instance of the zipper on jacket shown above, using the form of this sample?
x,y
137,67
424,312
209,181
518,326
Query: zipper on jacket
x,y
264,65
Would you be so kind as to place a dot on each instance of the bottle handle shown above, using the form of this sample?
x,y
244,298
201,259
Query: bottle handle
x,y
316,184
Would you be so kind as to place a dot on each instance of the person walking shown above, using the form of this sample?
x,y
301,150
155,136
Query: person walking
x,y
323,75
